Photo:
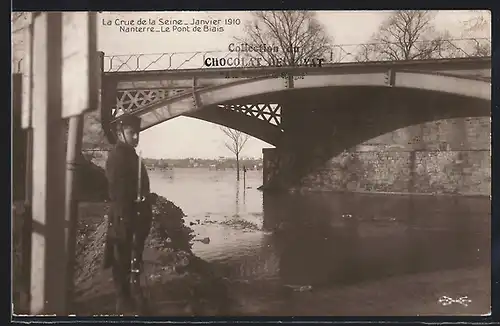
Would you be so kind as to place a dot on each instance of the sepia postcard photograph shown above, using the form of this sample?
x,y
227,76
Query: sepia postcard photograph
x,y
251,163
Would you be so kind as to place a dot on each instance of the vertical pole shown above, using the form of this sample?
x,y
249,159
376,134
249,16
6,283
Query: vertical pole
x,y
244,184
26,117
48,293
139,175
27,222
75,113
71,207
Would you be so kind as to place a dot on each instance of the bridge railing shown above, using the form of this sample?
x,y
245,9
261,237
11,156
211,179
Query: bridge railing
x,y
340,53
449,48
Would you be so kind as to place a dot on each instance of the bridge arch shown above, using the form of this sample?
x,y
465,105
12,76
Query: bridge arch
x,y
475,87
383,110
277,83
373,101
458,85
371,112
260,129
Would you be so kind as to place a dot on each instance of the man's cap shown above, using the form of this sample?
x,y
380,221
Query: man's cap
x,y
127,120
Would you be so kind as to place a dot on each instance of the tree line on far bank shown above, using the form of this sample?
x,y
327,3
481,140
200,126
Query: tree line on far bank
x,y
216,164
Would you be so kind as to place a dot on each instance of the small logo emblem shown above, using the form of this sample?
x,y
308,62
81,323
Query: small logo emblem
x,y
446,301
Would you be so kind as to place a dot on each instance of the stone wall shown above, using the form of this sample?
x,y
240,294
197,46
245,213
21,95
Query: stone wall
x,y
441,157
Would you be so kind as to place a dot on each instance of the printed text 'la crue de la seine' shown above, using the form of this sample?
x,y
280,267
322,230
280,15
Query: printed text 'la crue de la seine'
x,y
167,25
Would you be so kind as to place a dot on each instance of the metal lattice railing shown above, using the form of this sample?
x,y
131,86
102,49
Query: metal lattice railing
x,y
340,53
450,48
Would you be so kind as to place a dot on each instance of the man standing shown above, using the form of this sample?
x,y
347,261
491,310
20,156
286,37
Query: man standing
x,y
129,220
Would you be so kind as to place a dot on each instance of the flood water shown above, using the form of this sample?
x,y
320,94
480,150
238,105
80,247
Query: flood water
x,y
332,253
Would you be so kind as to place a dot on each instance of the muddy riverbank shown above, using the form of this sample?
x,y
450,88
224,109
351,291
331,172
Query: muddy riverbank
x,y
192,284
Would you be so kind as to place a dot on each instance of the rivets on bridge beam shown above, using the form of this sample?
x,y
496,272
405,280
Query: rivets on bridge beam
x,y
390,77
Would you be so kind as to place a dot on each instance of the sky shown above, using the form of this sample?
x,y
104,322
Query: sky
x,y
184,137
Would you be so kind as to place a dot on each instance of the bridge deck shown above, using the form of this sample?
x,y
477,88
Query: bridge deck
x,y
159,95
463,66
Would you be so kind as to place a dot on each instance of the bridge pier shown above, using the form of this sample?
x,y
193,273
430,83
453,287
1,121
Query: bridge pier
x,y
302,146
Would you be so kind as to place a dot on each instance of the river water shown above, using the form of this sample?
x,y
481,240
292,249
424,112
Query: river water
x,y
336,254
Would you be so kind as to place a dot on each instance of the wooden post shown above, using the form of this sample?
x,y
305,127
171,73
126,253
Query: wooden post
x,y
26,123
71,203
80,79
27,222
48,290
244,178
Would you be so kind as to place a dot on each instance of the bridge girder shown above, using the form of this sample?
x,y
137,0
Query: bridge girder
x,y
166,99
249,119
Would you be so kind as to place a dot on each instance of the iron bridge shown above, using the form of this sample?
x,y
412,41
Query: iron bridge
x,y
159,87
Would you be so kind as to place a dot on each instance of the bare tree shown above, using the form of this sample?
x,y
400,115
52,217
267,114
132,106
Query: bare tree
x,y
407,35
235,144
290,37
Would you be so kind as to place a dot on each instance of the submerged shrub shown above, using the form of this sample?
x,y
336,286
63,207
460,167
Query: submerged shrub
x,y
168,229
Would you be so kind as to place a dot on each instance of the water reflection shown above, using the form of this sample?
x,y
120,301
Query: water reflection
x,y
244,191
272,246
346,238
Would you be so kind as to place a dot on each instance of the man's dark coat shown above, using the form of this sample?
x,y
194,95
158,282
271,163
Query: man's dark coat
x,y
126,216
